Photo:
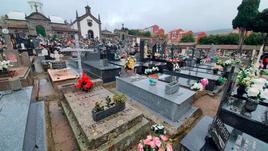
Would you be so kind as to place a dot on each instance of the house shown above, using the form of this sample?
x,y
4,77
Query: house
x,y
88,26
175,36
155,30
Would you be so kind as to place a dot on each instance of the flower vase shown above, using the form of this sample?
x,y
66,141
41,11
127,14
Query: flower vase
x,y
251,105
241,90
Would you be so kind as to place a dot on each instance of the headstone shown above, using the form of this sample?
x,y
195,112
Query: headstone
x,y
219,134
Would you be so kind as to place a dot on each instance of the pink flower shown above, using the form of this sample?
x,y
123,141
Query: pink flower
x,y
140,147
157,141
164,138
149,137
204,82
147,142
169,147
152,144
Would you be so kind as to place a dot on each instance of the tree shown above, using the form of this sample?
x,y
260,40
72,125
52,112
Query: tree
x,y
254,39
247,12
261,25
188,38
229,39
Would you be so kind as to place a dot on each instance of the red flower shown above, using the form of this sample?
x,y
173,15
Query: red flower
x,y
78,85
84,82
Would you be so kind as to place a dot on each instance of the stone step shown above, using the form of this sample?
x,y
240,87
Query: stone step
x,y
127,139
130,136
35,133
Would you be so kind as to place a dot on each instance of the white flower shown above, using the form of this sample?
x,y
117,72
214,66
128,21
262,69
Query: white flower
x,y
197,86
253,92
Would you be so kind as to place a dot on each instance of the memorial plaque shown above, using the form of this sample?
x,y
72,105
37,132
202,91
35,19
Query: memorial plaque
x,y
219,133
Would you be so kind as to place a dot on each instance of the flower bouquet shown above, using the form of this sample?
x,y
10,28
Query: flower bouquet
x,y
4,66
244,79
157,141
130,63
151,70
201,85
84,83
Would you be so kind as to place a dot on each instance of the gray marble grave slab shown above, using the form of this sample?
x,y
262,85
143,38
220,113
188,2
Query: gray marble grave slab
x,y
13,118
97,70
172,107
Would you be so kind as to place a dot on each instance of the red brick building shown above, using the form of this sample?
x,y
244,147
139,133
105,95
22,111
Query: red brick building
x,y
155,30
175,36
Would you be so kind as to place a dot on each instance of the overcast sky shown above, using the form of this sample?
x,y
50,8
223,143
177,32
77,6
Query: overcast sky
x,y
196,15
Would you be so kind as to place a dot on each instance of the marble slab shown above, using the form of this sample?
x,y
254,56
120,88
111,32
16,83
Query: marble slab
x,y
172,107
13,118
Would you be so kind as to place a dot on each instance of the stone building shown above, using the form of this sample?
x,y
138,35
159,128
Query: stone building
x,y
88,25
36,23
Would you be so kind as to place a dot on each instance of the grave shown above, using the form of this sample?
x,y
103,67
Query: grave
x,y
101,69
116,132
22,125
237,140
171,108
196,76
62,76
23,74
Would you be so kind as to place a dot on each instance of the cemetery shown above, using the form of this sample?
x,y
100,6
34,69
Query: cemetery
x,y
129,90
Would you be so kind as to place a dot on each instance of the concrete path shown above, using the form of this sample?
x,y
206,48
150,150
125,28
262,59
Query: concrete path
x,y
61,131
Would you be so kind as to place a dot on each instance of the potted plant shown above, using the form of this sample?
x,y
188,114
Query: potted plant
x,y
113,106
84,83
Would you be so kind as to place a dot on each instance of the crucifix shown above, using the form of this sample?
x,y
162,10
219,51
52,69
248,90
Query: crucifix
x,y
35,6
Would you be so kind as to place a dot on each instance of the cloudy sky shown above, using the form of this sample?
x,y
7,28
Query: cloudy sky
x,y
196,15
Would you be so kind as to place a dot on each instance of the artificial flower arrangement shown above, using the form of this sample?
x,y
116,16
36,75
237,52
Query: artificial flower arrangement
x,y
84,83
201,85
226,63
4,65
245,76
157,141
130,63
151,71
112,105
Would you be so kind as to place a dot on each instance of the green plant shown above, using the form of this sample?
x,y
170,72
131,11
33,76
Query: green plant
x,y
119,98
108,101
98,107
